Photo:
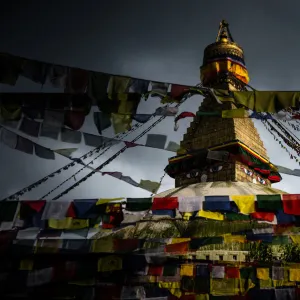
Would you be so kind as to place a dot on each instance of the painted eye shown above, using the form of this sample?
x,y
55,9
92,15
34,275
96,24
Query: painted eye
x,y
194,174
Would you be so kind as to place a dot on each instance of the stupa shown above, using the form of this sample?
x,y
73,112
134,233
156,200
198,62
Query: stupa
x,y
243,169
223,68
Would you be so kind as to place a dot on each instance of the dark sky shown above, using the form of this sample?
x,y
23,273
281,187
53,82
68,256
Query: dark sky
x,y
159,40
156,38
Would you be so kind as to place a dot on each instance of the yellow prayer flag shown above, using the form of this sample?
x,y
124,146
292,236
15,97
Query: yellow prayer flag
x,y
295,239
59,224
265,284
245,203
117,85
173,287
202,297
246,285
48,246
26,265
104,244
109,263
79,224
150,186
104,200
262,273
187,215
210,215
179,240
235,113
294,274
113,207
187,270
229,238
152,279
224,287
121,123
68,223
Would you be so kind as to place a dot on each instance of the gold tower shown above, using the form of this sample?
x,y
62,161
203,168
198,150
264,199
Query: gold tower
x,y
223,68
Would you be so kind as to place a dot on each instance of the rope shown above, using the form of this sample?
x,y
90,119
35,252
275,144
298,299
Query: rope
x,y
73,163
112,157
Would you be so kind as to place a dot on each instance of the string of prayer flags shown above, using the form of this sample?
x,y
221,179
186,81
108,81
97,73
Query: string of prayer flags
x,y
24,145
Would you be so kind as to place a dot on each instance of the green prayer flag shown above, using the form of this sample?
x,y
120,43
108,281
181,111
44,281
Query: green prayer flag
x,y
138,204
280,240
236,217
170,270
269,202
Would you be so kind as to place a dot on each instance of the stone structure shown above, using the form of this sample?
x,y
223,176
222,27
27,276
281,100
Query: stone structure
x,y
223,68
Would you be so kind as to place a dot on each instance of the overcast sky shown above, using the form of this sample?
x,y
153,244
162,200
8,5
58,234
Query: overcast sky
x,y
157,40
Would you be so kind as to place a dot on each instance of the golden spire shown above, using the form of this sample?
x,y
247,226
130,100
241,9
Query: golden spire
x,y
222,61
224,34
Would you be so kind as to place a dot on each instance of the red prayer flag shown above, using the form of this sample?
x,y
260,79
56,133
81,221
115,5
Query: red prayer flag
x,y
71,211
165,203
232,272
74,119
177,248
177,91
155,270
126,245
266,216
36,205
291,204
